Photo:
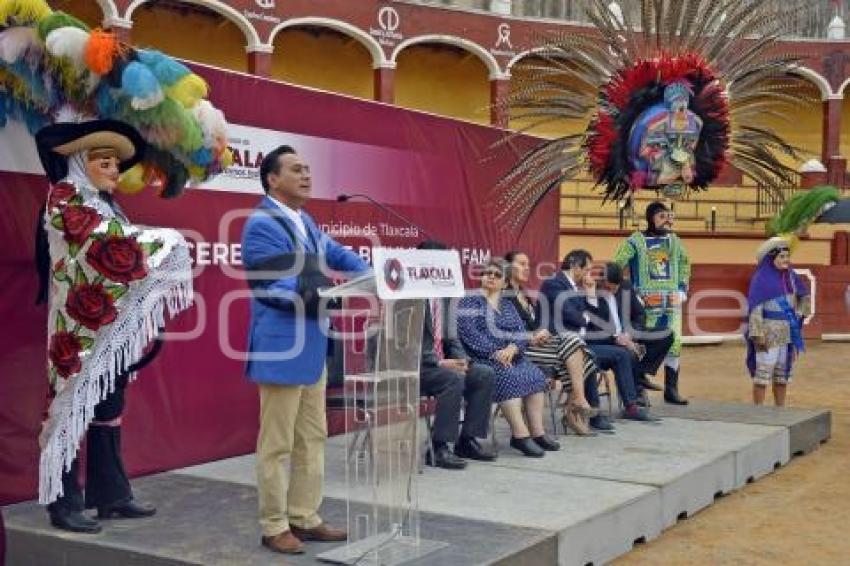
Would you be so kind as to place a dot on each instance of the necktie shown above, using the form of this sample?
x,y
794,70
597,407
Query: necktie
x,y
437,325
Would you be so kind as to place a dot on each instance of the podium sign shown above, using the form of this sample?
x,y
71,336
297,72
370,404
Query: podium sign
x,y
382,320
417,274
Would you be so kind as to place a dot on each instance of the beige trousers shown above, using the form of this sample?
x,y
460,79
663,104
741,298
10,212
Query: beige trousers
x,y
291,455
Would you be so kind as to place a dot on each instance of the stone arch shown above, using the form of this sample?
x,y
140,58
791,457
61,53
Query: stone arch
x,y
379,59
485,56
246,27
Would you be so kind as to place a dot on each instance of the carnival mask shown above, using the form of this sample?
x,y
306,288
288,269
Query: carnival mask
x,y
663,141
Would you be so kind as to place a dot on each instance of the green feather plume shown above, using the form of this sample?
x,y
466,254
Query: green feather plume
x,y
801,209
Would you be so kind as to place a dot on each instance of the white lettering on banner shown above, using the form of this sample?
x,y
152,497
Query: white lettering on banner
x,y
398,231
217,253
468,256
474,256
347,230
369,230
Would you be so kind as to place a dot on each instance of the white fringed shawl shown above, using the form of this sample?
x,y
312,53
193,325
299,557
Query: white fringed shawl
x,y
105,352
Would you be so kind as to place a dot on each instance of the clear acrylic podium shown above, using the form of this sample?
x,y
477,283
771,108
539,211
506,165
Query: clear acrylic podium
x,y
381,334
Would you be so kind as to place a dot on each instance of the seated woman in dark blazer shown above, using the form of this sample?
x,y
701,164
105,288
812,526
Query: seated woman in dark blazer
x,y
493,334
565,355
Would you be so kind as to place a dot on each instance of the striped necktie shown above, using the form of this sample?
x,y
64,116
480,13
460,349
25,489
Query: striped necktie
x,y
437,324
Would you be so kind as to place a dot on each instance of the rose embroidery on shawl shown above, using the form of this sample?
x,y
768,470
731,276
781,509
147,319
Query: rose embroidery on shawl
x,y
78,222
117,258
64,352
91,305
61,192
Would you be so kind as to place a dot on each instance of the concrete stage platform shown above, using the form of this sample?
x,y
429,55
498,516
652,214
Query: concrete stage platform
x,y
588,503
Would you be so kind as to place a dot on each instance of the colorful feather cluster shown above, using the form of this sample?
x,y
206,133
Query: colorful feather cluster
x,y
634,90
50,63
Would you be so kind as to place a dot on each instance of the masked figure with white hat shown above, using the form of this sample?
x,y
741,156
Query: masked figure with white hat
x,y
109,286
110,283
778,301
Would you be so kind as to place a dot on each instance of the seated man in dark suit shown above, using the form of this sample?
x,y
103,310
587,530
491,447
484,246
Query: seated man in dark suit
x,y
570,295
628,319
446,374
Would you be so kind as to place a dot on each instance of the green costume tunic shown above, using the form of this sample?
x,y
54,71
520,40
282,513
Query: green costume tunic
x,y
660,272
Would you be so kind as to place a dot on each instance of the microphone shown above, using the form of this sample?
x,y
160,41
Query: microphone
x,y
343,197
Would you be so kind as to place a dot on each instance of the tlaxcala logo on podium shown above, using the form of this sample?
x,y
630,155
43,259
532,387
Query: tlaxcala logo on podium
x,y
417,274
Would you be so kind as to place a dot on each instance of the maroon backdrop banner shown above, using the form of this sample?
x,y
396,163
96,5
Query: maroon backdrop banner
x,y
193,404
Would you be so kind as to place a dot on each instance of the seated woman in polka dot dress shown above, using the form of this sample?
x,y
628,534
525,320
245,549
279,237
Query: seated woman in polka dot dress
x,y
493,333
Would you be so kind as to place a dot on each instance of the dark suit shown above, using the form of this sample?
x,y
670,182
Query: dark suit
x,y
449,387
633,319
568,308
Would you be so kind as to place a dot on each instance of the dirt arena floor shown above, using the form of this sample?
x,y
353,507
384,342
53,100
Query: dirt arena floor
x,y
797,515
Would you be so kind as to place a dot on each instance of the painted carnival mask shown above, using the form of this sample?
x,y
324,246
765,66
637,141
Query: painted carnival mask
x,y
663,141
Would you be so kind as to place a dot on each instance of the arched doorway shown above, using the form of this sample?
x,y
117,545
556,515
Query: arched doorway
x,y
323,58
444,79
189,31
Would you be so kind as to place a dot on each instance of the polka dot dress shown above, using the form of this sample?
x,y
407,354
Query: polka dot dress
x,y
483,331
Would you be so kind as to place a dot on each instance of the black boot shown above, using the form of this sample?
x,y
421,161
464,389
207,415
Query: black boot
x,y
66,512
108,488
671,387
73,521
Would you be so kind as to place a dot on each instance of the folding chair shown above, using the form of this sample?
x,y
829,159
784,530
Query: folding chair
x,y
603,379
556,399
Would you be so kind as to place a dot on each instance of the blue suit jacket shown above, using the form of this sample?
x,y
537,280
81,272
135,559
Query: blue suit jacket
x,y
285,347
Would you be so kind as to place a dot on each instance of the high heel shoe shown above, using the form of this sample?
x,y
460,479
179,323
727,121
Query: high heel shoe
x,y
574,421
585,411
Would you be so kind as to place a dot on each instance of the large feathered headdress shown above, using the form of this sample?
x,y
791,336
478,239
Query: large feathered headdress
x,y
669,99
51,62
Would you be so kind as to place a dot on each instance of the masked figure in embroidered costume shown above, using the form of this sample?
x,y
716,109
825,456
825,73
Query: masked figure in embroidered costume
x,y
660,273
110,284
671,93
778,301
110,287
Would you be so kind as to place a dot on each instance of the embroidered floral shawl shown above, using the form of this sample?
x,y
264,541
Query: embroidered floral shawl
x,y
111,285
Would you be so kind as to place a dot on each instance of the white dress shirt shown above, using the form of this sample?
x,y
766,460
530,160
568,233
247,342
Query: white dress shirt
x,y
591,300
293,215
615,315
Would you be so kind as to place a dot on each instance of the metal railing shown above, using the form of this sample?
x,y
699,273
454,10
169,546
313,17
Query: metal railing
x,y
769,201
811,23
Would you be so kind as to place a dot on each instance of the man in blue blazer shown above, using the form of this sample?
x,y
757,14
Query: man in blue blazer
x,y
571,304
284,253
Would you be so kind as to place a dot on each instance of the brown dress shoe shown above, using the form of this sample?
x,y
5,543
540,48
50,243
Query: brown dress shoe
x,y
322,533
285,543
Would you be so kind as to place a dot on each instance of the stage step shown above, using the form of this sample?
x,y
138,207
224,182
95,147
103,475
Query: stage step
x,y
586,504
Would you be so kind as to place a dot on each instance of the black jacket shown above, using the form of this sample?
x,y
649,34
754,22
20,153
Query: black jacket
x,y
563,307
